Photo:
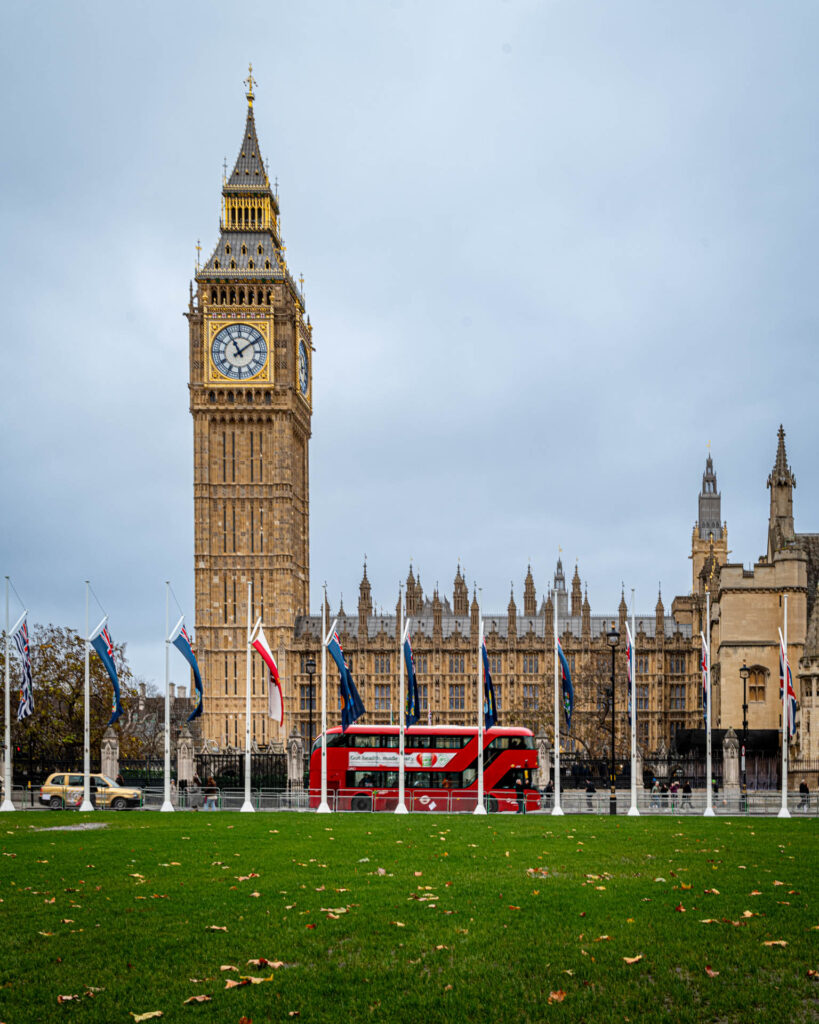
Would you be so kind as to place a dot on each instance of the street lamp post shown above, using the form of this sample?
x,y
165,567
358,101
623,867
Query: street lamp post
x,y
744,673
310,665
613,638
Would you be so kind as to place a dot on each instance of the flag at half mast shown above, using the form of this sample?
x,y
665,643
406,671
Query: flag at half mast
x,y
490,708
784,666
352,706
568,689
275,698
182,642
413,707
26,706
101,642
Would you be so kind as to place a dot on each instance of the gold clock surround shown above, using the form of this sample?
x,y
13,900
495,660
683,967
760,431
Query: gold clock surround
x,y
214,324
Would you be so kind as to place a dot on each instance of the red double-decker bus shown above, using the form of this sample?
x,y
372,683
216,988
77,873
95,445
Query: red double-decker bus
x,y
440,763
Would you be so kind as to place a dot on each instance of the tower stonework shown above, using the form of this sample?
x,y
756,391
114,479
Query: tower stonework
x,y
251,401
710,536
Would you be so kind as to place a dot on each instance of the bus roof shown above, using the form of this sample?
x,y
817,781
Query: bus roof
x,y
432,730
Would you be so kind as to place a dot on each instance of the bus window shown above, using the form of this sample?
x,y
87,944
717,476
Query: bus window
x,y
419,780
419,742
469,776
388,742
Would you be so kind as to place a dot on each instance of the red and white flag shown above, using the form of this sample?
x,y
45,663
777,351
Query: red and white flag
x,y
275,702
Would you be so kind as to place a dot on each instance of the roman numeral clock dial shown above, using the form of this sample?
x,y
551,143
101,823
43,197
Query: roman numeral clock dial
x,y
239,352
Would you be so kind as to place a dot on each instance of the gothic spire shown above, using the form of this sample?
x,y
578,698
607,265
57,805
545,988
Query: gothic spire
x,y
781,483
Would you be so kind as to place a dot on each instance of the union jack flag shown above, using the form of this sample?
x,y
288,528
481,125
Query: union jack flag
x,y
783,661
102,644
182,642
26,706
704,667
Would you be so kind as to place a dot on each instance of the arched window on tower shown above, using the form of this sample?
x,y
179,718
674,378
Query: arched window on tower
x,y
267,265
233,264
233,296
227,248
216,264
241,296
233,216
251,265
244,250
259,250
259,297
211,396
223,297
250,292
253,216
214,298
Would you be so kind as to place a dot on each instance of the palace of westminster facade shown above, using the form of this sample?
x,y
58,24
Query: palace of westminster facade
x,y
251,365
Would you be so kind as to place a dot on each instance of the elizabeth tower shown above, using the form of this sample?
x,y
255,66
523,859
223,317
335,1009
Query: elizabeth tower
x,y
251,401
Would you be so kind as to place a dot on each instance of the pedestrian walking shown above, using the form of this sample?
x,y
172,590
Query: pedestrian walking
x,y
520,793
211,793
804,794
590,791
686,796
655,794
549,793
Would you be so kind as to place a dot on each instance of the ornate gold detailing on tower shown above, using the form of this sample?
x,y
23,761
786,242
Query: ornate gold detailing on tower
x,y
250,82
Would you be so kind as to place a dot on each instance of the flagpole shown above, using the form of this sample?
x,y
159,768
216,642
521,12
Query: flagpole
x,y
8,803
709,791
86,736
480,808
166,803
557,809
783,810
247,806
401,807
324,807
633,811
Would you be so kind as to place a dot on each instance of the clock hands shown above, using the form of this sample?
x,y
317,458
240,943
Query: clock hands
x,y
239,351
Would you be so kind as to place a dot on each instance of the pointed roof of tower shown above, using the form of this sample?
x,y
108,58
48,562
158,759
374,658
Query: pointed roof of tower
x,y
781,474
249,170
660,609
623,607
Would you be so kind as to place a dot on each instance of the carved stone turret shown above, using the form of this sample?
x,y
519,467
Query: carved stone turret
x,y
460,596
512,612
529,597
577,594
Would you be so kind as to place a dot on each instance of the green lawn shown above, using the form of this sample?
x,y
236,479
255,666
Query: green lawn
x,y
422,918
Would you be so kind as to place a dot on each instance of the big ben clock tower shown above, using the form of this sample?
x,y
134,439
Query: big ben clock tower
x,y
251,401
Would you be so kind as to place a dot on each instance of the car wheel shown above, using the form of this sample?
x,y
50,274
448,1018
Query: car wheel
x,y
118,803
55,803
360,803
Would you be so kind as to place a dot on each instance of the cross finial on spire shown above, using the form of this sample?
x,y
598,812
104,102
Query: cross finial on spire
x,y
250,82
198,252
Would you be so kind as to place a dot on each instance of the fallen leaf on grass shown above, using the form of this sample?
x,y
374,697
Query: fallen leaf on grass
x,y
709,920
232,983
775,942
633,959
813,975
199,999
290,1013
263,962
255,894
712,892
418,874
680,908
511,907
67,999
442,947
398,924
756,892
557,997
710,971
603,938
146,1016
778,883
228,967
216,928
310,926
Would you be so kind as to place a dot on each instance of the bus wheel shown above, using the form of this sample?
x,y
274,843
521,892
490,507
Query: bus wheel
x,y
360,803
491,804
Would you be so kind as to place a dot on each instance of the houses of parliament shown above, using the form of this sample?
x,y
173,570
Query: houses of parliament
x,y
251,398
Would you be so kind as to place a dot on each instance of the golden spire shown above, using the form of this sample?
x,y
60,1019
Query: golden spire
x,y
250,82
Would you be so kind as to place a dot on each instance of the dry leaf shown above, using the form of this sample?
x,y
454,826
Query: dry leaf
x,y
418,874
232,983
216,928
263,962
255,894
67,999
603,938
756,892
557,997
228,967
199,999
146,1016
813,975
775,942
633,959
710,971
680,908
398,924
709,920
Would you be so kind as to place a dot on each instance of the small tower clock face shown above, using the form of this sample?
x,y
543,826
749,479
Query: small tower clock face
x,y
303,379
239,352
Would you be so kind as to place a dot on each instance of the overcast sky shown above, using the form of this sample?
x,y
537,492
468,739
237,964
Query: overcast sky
x,y
550,250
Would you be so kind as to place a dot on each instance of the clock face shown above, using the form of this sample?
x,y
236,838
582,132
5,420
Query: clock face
x,y
239,352
303,377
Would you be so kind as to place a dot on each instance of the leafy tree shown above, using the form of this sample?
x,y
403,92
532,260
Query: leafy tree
x,y
55,730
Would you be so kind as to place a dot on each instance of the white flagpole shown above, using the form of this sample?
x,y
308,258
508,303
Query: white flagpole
x,y
557,809
709,791
8,803
324,807
633,811
247,806
166,804
86,735
480,808
783,810
401,807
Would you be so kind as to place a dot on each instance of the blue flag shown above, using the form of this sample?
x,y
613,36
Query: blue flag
x,y
413,707
182,642
352,706
568,689
105,650
630,680
490,709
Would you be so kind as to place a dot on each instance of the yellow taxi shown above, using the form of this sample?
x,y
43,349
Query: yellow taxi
x,y
64,789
